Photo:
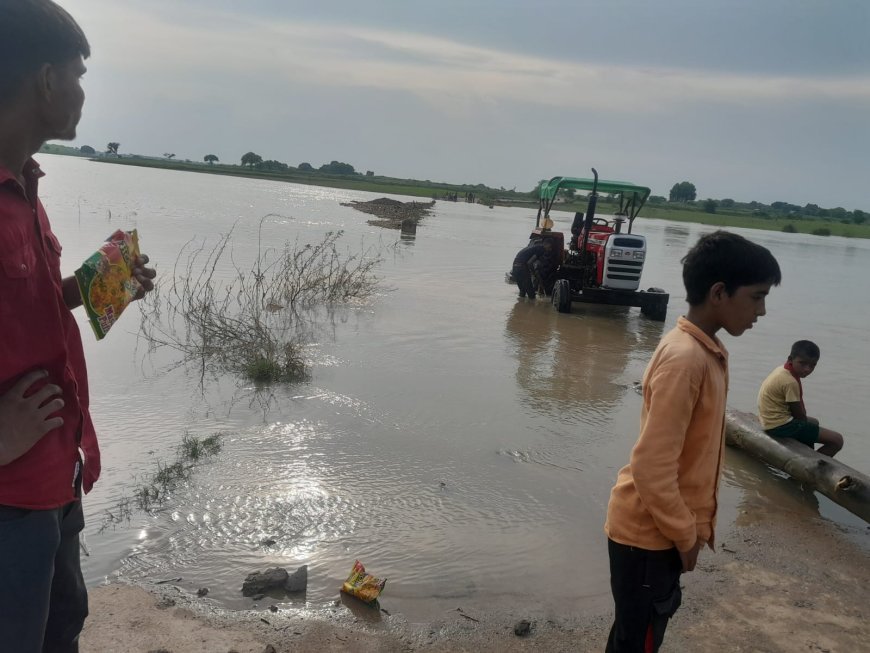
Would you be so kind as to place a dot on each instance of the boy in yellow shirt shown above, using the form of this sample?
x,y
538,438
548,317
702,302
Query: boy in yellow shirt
x,y
662,509
781,402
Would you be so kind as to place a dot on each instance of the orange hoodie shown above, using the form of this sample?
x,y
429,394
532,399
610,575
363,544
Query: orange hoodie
x,y
666,495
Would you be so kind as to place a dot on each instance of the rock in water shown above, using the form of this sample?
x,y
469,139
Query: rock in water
x,y
298,580
522,628
259,582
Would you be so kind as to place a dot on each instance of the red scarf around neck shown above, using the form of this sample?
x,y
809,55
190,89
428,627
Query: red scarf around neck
x,y
790,368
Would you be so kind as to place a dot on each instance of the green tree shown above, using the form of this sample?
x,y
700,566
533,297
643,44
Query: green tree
x,y
251,159
684,191
271,166
657,199
87,149
727,203
536,191
169,155
210,159
859,217
112,148
710,205
337,168
305,167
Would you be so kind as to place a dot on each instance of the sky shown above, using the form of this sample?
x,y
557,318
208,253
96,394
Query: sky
x,y
765,100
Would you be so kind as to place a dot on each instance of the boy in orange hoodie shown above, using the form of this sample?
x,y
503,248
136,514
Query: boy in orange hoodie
x,y
662,509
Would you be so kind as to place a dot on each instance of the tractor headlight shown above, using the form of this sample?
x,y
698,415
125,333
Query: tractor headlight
x,y
638,255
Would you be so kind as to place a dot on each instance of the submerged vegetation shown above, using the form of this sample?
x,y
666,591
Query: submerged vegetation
x,y
154,489
247,320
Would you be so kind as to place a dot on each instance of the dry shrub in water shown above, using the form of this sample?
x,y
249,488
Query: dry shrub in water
x,y
250,322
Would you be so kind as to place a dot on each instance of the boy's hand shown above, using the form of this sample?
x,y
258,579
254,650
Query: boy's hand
x,y
25,419
690,557
143,275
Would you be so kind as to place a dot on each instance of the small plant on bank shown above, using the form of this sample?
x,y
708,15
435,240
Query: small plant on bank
x,y
821,231
251,321
789,229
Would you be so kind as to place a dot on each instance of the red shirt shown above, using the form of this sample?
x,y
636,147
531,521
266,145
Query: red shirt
x,y
38,331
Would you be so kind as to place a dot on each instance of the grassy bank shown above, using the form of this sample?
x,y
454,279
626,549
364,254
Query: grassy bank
x,y
793,224
371,184
417,188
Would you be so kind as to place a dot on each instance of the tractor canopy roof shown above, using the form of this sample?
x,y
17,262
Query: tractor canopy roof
x,y
631,196
548,191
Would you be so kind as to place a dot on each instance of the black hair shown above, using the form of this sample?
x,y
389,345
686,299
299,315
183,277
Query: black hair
x,y
729,258
805,349
34,33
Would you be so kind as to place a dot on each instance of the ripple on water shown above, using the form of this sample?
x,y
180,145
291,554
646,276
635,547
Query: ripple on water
x,y
326,501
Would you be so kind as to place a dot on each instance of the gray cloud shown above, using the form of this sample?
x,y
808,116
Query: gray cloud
x,y
193,74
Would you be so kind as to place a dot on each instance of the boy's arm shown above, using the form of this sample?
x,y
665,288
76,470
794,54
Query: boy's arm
x,y
797,411
791,394
655,458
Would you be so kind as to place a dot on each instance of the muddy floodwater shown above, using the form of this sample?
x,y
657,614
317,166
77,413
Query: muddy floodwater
x,y
458,441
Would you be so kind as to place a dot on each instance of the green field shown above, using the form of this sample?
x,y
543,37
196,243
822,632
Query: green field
x,y
372,184
723,219
428,189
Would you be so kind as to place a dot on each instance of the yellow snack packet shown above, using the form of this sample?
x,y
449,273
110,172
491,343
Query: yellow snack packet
x,y
106,280
362,585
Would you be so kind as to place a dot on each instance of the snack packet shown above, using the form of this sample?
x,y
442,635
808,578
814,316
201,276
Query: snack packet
x,y
361,585
106,280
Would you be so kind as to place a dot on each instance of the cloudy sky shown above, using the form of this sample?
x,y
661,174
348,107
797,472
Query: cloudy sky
x,y
750,99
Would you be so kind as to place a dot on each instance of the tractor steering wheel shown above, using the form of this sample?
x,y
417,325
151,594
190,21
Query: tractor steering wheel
x,y
600,221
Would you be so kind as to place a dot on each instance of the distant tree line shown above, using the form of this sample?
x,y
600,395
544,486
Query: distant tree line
x,y
685,192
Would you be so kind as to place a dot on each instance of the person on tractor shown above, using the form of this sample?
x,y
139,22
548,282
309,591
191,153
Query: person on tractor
x,y
528,259
576,230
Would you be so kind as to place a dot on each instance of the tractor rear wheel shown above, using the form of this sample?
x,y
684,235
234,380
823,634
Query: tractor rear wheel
x,y
562,296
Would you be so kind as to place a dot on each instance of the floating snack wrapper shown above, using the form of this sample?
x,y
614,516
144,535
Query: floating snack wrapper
x,y
361,585
106,280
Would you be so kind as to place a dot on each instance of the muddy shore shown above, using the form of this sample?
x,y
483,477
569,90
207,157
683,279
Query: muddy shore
x,y
778,582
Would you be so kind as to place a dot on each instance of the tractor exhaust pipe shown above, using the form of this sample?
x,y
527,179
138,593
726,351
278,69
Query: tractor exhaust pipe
x,y
590,214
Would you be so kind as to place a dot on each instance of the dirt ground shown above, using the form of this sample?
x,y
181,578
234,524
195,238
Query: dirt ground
x,y
780,583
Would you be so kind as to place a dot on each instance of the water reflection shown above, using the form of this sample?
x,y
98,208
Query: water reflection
x,y
409,229
566,362
765,489
676,236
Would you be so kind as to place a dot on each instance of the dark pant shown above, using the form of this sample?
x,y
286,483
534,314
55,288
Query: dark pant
x,y
43,600
523,277
646,592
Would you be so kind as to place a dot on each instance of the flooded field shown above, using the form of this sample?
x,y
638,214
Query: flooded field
x,y
460,442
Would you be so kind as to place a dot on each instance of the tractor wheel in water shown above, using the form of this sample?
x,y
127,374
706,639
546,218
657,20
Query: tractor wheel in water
x,y
658,310
562,296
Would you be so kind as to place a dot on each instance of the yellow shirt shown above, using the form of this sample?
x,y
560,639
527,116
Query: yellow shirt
x,y
779,389
667,495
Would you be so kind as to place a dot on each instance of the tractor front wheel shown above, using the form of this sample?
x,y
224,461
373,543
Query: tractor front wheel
x,y
656,310
562,296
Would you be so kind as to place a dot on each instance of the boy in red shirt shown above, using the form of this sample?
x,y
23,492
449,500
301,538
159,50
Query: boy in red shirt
x,y
662,509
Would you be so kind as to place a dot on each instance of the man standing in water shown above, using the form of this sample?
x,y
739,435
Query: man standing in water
x,y
48,447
